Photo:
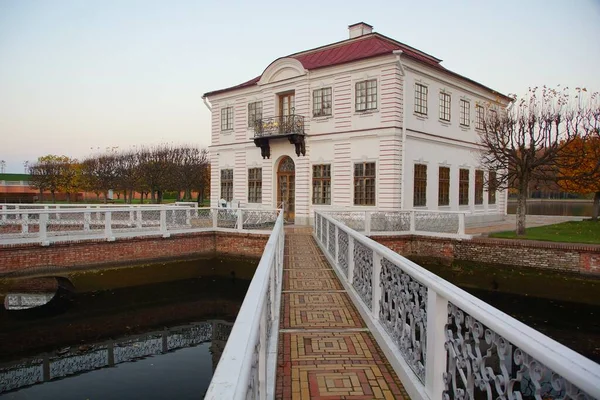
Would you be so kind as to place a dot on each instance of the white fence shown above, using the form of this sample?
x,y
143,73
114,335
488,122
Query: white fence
x,y
443,342
47,225
248,364
415,222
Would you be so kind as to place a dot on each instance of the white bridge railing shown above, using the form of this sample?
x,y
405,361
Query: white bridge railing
x,y
415,222
248,364
443,342
47,225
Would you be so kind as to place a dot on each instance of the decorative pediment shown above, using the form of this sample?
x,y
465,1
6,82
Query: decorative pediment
x,y
282,69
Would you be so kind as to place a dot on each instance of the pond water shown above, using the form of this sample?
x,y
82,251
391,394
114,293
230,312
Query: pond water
x,y
554,207
153,331
562,306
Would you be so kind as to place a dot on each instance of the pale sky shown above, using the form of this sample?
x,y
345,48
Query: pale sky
x,y
77,76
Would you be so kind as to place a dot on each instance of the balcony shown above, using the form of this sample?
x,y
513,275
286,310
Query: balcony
x,y
289,127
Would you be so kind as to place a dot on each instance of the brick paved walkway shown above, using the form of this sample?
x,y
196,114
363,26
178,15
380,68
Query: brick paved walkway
x,y
325,349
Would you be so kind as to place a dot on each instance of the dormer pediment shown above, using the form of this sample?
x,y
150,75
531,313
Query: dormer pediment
x,y
282,69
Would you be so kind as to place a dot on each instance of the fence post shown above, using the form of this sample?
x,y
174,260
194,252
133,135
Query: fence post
x,y
240,220
3,208
215,217
435,363
43,229
138,219
326,241
367,223
163,223
375,285
86,221
412,221
337,247
350,259
461,224
25,223
108,226
188,217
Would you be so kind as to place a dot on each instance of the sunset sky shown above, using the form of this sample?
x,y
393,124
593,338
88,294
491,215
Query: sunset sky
x,y
79,76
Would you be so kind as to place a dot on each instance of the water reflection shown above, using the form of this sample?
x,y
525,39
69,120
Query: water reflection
x,y
75,360
119,327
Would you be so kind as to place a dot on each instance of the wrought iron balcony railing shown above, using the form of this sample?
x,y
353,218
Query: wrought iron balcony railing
x,y
282,125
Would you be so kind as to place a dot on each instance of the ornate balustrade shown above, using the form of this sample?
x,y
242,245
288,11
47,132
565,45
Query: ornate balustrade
x,y
46,225
287,126
248,364
428,223
281,125
443,342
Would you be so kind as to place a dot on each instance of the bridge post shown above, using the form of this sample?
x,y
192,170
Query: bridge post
x,y
215,217
461,224
350,259
24,223
43,228
435,364
413,225
108,226
367,223
163,223
240,220
375,285
3,208
138,218
87,217
328,226
337,246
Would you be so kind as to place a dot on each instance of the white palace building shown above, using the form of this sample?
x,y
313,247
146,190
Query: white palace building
x,y
367,123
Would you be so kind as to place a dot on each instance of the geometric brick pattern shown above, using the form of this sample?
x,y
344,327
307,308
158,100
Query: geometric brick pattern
x,y
319,310
310,280
325,350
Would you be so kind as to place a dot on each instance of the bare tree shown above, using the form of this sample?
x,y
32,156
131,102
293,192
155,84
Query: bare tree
x,y
525,143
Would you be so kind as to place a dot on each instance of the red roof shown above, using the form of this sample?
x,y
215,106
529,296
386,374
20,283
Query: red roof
x,y
363,47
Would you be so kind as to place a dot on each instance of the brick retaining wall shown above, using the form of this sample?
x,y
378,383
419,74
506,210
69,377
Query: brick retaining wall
x,y
16,258
570,257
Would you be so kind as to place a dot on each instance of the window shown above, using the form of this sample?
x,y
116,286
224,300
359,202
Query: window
x,y
364,184
463,188
492,187
321,184
444,106
227,184
479,117
321,102
478,187
255,185
444,187
227,118
254,113
420,99
465,113
366,95
493,115
420,185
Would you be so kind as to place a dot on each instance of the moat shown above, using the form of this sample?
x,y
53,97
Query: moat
x,y
158,330
150,331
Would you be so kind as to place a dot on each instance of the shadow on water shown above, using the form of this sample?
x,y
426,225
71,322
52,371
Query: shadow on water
x,y
171,319
562,306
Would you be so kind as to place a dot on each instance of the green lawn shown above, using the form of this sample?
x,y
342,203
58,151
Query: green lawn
x,y
572,232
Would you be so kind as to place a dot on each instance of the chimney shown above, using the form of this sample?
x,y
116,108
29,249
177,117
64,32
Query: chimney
x,y
359,29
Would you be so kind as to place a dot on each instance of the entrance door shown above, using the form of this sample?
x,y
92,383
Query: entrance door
x,y
286,188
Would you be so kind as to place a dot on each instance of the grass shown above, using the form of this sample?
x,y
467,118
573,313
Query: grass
x,y
586,231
